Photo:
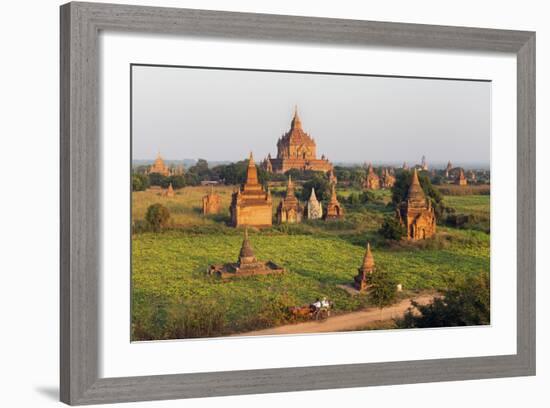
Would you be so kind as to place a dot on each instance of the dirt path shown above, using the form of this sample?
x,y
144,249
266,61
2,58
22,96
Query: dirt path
x,y
348,321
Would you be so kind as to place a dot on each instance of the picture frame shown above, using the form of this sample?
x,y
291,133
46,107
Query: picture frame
x,y
80,235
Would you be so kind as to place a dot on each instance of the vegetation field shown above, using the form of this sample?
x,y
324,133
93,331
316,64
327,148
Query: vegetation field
x,y
173,297
470,204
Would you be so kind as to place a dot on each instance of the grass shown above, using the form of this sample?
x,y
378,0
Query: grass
x,y
173,297
470,204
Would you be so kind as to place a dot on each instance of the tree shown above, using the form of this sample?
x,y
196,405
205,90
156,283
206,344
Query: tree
x,y
383,291
157,179
321,185
392,229
157,216
140,182
467,303
232,173
201,170
176,181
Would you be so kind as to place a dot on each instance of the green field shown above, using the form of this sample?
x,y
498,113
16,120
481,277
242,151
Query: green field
x,y
470,204
173,297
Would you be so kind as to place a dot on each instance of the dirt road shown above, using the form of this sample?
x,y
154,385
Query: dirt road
x,y
348,321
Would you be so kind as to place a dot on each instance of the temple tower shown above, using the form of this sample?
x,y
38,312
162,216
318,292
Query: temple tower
x,y
296,149
159,167
461,180
416,212
289,209
169,191
314,209
372,181
211,203
334,208
362,280
251,205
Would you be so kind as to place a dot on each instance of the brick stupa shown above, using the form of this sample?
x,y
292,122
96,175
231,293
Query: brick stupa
x,y
246,265
362,280
289,209
251,205
416,212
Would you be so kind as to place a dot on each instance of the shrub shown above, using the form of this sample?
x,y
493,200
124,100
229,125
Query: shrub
x,y
467,303
383,290
140,226
469,221
140,182
157,216
392,229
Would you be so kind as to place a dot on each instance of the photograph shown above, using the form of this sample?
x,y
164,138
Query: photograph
x,y
271,202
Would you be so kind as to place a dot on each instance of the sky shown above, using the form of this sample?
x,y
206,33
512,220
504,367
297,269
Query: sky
x,y
222,115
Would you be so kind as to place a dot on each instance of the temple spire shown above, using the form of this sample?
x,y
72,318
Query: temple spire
x,y
296,122
415,195
368,260
251,172
312,196
415,178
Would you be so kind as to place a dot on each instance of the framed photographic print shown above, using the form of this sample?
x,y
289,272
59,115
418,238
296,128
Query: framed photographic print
x,y
261,203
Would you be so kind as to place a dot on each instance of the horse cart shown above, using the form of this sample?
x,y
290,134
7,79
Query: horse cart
x,y
319,311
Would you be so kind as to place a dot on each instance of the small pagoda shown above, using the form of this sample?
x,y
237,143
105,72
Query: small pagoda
x,y
314,209
362,280
334,208
169,191
461,180
211,203
246,265
289,209
388,180
372,181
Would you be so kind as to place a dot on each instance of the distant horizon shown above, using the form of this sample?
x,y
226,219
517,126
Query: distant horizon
x,y
435,165
222,115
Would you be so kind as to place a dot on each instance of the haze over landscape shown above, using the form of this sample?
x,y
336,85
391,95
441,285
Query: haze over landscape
x,y
221,115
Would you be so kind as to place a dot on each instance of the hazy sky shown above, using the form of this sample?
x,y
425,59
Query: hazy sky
x,y
222,115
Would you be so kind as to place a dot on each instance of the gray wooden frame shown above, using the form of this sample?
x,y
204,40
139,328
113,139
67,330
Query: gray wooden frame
x,y
80,192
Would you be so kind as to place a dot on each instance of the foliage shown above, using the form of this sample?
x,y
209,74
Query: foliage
x,y
200,169
140,182
392,229
321,185
233,173
464,303
454,190
173,297
403,181
383,291
353,176
157,179
157,216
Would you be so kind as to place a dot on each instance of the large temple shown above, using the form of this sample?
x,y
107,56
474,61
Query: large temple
x,y
159,167
296,150
289,209
416,212
250,204
246,265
